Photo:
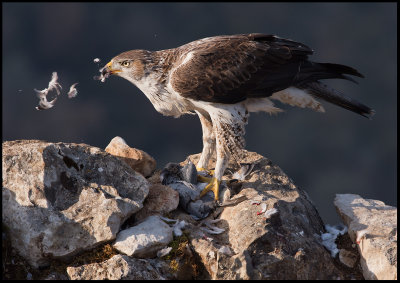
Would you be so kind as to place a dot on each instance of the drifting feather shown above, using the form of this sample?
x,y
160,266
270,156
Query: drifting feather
x,y
96,60
104,74
44,104
72,91
53,84
42,94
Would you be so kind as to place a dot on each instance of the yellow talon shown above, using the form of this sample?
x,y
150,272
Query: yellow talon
x,y
212,186
203,179
209,172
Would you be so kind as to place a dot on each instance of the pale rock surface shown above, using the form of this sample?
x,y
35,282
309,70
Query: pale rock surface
x,y
160,200
281,245
144,239
375,226
137,159
62,198
121,267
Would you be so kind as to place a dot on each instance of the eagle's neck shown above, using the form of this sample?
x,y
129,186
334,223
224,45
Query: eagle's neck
x,y
153,83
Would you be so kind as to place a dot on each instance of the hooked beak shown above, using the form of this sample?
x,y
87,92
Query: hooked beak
x,y
105,72
108,69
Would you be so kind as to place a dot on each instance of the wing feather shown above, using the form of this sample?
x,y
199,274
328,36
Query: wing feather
x,y
229,69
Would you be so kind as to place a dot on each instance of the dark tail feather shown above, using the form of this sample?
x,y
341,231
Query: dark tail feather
x,y
341,69
312,71
328,94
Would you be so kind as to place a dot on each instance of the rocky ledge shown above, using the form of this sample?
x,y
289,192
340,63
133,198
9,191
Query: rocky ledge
x,y
73,211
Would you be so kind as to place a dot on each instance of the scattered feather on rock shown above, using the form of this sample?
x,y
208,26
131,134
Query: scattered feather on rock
x,y
164,252
177,226
255,202
244,170
212,229
329,238
361,235
166,219
225,250
270,212
263,208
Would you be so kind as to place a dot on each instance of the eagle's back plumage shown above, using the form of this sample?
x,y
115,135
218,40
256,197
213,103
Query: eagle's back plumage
x,y
230,69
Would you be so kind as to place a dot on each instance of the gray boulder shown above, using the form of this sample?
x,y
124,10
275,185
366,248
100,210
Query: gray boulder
x,y
62,198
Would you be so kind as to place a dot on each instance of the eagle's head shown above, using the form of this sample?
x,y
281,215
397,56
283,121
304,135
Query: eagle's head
x,y
130,65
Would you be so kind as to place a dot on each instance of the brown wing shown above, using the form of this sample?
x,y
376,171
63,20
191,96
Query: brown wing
x,y
227,69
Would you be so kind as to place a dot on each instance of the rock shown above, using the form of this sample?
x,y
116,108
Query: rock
x,y
285,244
62,198
137,159
121,267
348,258
160,200
373,225
144,239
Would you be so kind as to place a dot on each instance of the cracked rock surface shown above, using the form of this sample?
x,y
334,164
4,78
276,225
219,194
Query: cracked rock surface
x,y
285,244
63,198
373,226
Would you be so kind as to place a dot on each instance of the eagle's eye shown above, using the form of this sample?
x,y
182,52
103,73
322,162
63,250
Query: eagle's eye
x,y
125,63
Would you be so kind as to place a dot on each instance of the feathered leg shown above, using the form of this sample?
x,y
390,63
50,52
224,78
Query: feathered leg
x,y
228,126
208,141
222,162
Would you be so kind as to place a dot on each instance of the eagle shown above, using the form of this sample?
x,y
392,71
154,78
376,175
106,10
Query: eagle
x,y
223,79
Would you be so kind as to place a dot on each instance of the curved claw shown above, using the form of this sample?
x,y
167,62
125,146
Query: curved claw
x,y
203,179
212,186
208,172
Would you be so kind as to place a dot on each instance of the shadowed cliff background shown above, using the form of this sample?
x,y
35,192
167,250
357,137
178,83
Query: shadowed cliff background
x,y
325,154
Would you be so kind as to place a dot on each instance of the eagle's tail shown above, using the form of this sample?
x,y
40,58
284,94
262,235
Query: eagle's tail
x,y
312,71
320,90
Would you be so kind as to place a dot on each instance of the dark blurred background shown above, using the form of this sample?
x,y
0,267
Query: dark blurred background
x,y
324,154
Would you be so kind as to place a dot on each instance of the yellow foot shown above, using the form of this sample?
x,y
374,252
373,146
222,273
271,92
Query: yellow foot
x,y
212,186
204,179
208,172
